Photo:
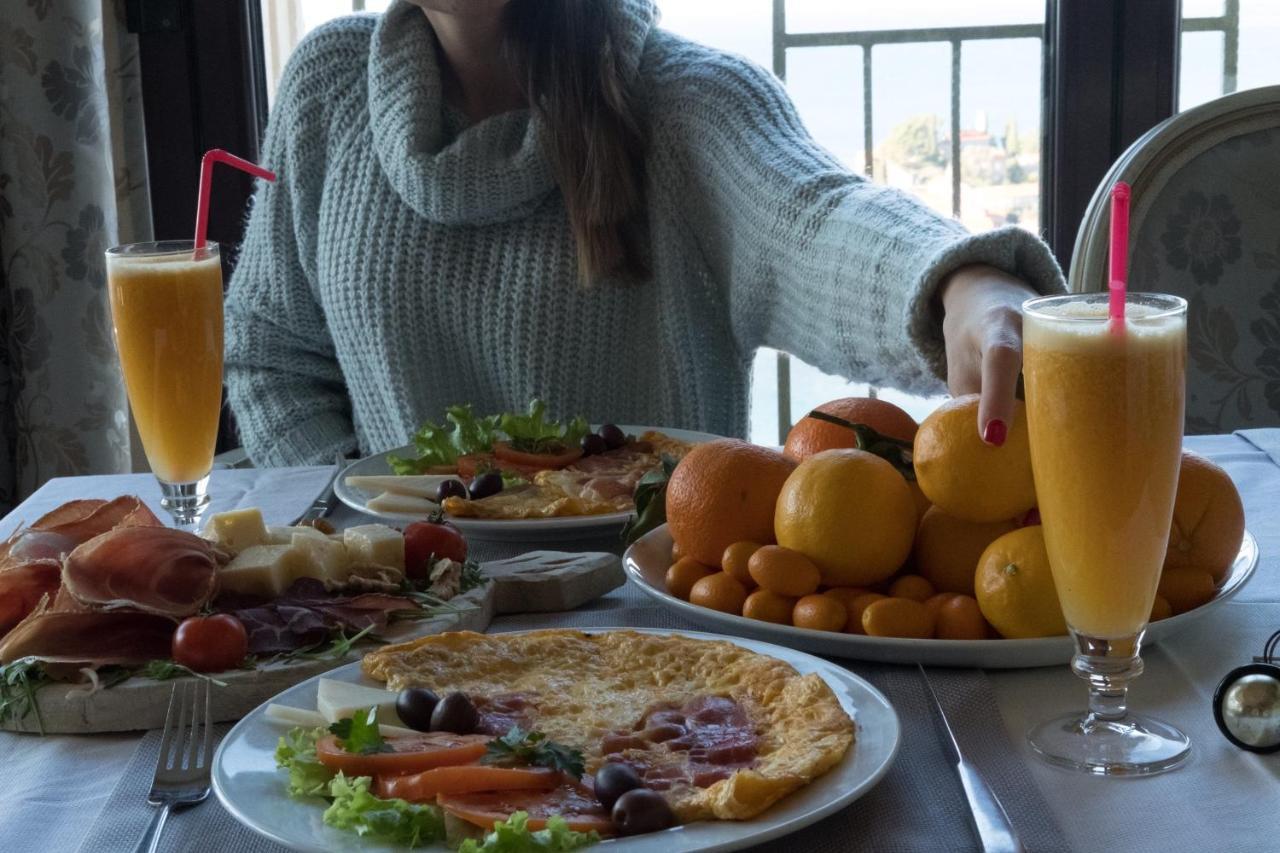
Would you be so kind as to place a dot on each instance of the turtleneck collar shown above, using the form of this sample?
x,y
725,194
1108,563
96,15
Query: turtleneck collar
x,y
493,171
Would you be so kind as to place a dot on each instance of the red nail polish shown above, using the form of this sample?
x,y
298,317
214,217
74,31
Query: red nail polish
x,y
995,433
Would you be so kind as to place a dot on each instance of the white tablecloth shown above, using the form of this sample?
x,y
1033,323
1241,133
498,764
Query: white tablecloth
x,y
54,788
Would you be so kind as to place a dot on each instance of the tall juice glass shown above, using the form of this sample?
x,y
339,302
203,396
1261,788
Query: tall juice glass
x,y
166,308
1105,411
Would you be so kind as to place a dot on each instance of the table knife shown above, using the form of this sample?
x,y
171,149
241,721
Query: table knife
x,y
326,501
989,817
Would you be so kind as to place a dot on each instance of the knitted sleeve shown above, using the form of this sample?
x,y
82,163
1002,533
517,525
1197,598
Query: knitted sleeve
x,y
812,259
283,381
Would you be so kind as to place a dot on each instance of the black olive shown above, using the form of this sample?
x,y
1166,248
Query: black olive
x,y
456,714
450,489
414,706
613,436
488,483
593,444
641,810
614,780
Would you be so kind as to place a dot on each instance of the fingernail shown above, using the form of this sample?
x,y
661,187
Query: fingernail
x,y
995,433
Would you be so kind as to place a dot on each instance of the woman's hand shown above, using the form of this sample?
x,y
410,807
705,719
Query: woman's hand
x,y
982,325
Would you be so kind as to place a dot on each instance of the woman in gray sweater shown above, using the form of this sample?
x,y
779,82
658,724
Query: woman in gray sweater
x,y
488,201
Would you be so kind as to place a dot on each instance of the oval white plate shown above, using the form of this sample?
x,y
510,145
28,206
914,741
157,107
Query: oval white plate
x,y
523,529
247,782
647,560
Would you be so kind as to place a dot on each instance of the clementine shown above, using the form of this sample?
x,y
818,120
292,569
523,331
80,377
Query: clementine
x,y
1208,519
1015,588
947,548
810,435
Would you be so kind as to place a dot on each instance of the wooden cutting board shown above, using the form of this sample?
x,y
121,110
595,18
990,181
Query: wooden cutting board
x,y
537,582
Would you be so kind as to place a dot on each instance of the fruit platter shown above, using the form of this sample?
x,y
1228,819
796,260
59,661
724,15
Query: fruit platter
x,y
871,537
514,476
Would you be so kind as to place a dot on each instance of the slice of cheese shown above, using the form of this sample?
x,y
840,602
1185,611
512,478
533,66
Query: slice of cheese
x,y
375,543
418,485
338,699
319,556
406,504
291,716
237,529
261,570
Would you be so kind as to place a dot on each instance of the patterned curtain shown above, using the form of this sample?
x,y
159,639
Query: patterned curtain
x,y
72,183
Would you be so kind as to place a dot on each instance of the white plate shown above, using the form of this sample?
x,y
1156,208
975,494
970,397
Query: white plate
x,y
247,782
647,560
525,529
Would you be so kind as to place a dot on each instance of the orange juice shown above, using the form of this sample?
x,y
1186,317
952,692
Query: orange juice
x,y
167,312
1105,411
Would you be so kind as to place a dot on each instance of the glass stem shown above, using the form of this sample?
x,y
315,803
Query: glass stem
x,y
1108,666
186,502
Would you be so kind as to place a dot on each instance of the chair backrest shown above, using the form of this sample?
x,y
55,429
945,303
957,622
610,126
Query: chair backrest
x,y
1205,224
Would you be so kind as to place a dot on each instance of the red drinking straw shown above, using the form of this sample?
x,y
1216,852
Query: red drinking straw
x,y
217,155
1119,249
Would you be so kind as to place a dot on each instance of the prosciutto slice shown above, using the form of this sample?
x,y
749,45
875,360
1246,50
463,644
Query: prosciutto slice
x,y
57,532
156,570
68,632
307,613
22,586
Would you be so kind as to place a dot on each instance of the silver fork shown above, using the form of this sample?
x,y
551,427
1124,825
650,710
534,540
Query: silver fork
x,y
182,768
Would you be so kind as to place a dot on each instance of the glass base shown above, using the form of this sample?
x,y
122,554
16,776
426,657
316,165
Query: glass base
x,y
186,502
1133,745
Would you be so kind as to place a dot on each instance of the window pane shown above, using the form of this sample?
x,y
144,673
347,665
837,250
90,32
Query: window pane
x,y
1226,47
809,16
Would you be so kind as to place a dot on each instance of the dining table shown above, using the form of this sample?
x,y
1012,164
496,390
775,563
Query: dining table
x,y
88,792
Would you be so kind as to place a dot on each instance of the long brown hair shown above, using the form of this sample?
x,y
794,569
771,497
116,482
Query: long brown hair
x,y
566,53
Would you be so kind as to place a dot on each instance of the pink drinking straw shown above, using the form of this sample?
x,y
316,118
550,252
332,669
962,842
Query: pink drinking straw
x,y
1119,250
217,155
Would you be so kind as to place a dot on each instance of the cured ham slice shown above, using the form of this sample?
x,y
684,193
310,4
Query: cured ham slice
x,y
22,586
306,613
68,632
58,531
152,569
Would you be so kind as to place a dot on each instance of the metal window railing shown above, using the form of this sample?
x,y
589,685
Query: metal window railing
x,y
1228,23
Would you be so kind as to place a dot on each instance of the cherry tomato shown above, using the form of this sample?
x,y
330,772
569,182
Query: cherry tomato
x,y
422,539
210,643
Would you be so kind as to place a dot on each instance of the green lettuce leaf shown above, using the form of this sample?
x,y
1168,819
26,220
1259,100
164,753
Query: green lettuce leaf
x,y
462,432
393,821
514,836
533,433
296,752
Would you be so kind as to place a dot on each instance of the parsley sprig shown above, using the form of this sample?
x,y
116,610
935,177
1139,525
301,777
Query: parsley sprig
x,y
530,748
359,734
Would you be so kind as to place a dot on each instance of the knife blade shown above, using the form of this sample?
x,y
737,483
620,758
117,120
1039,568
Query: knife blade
x,y
326,501
989,818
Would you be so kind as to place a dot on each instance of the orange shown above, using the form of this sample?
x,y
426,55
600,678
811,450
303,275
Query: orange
x,y
683,574
1015,587
719,592
724,491
676,553
851,513
897,617
968,478
960,618
783,571
734,561
1160,609
911,586
935,602
1208,519
768,607
810,435
845,594
819,613
853,625
947,548
1186,589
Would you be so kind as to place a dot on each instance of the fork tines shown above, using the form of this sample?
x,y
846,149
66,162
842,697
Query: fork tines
x,y
188,714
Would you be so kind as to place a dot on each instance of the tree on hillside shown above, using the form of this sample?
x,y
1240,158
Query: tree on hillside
x,y
915,142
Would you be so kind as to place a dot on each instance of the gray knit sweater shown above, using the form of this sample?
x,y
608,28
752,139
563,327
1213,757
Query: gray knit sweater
x,y
403,263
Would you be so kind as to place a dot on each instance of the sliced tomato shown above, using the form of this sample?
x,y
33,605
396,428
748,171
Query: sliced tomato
x,y
409,754
472,464
573,801
465,779
540,461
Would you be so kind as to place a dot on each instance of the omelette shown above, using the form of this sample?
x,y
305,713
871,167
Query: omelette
x,y
721,731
